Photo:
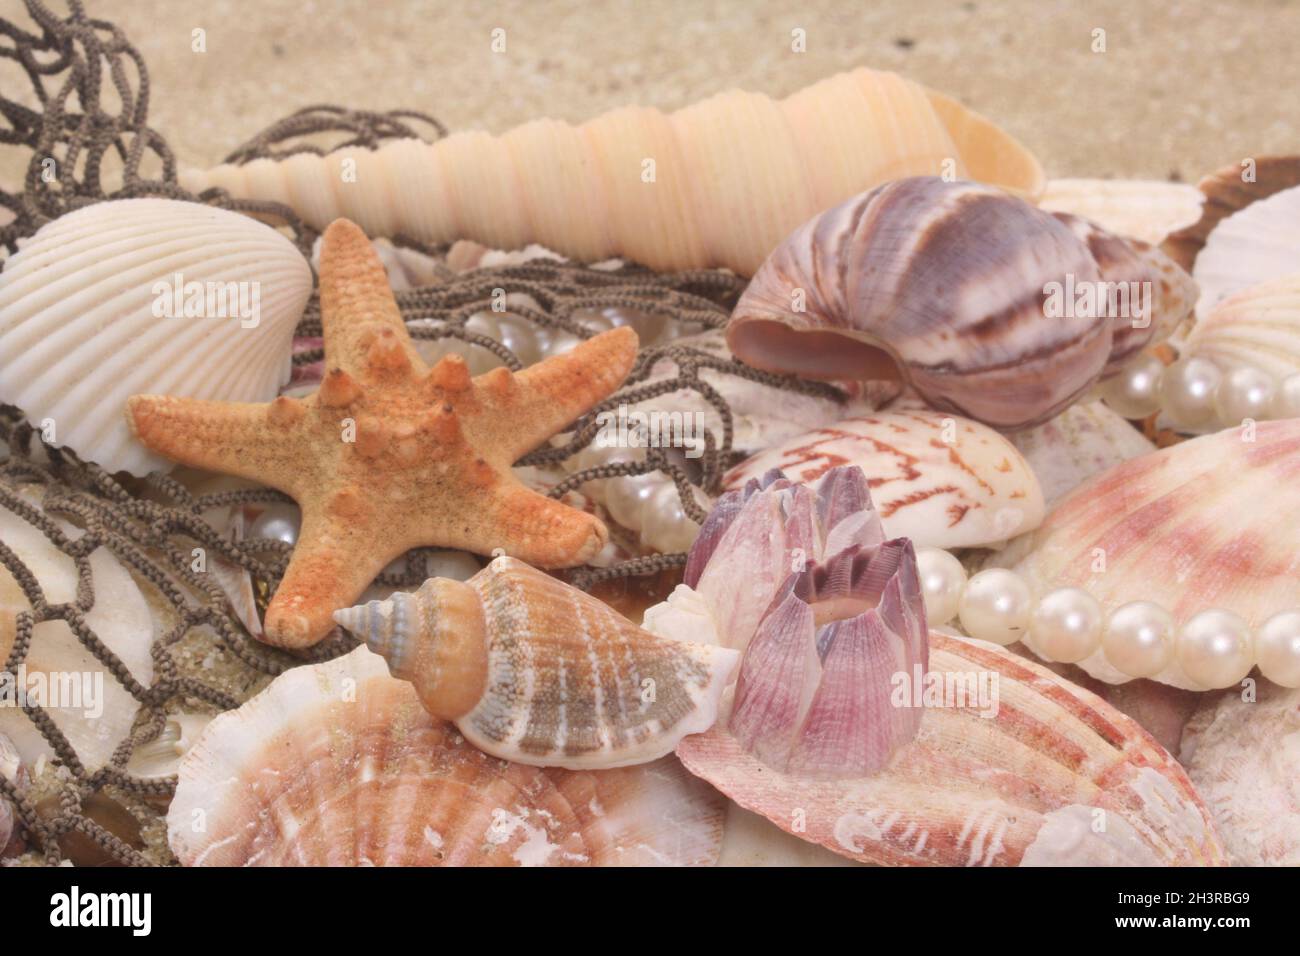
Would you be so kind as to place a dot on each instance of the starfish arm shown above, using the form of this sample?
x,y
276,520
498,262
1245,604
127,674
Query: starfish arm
x,y
529,407
538,530
360,321
336,558
250,440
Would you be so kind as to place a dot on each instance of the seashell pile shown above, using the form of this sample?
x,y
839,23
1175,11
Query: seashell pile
x,y
932,542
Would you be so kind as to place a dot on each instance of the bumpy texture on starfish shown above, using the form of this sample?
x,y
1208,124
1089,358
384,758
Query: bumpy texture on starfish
x,y
388,454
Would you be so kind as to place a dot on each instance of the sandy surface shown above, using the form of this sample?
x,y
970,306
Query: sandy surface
x,y
1182,87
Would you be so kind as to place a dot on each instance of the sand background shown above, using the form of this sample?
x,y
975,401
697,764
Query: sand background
x,y
1182,88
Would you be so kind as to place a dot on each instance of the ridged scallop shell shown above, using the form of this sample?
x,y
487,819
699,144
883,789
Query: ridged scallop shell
x,y
338,764
1244,758
718,183
1258,327
1209,523
939,480
1227,190
1056,777
1259,244
78,334
101,712
535,671
945,286
1077,444
1148,210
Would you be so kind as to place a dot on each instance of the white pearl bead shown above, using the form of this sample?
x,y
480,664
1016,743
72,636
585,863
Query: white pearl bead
x,y
996,606
1066,625
1245,393
1187,390
664,523
1214,649
942,581
1286,403
1135,391
1139,639
1277,648
626,497
279,521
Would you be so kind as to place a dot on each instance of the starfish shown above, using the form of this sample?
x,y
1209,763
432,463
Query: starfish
x,y
388,454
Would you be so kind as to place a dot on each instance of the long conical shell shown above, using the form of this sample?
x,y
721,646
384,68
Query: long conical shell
x,y
338,764
942,481
536,671
1209,523
1243,755
1054,777
967,294
1077,444
718,183
1257,327
1261,243
89,315
1148,210
94,711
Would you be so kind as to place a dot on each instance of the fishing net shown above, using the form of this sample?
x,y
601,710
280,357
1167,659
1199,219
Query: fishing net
x,y
83,126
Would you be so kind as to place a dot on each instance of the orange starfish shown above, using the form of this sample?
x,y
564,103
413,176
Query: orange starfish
x,y
388,454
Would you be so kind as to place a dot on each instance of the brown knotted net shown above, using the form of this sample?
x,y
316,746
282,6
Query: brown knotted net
x,y
83,125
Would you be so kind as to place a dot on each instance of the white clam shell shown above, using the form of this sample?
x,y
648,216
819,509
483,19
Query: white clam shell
x,y
97,722
938,479
1259,327
1258,244
1244,758
79,334
1077,444
1136,208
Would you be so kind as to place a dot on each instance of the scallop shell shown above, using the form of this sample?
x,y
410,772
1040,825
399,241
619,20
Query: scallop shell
x,y
939,480
1147,210
1243,755
718,183
338,764
1258,244
954,289
100,713
1211,522
1259,327
1077,444
535,671
1055,777
1227,191
79,333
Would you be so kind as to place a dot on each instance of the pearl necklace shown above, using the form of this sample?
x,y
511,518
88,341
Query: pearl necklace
x,y
1215,648
1195,392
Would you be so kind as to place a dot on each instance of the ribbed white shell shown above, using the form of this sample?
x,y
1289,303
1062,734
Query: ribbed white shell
x,y
78,335
1135,208
1258,244
1259,326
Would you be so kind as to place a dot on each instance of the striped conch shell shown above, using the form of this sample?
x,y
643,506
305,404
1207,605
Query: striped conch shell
x,y
535,671
1030,770
985,305
719,183
144,295
938,480
1209,523
338,764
